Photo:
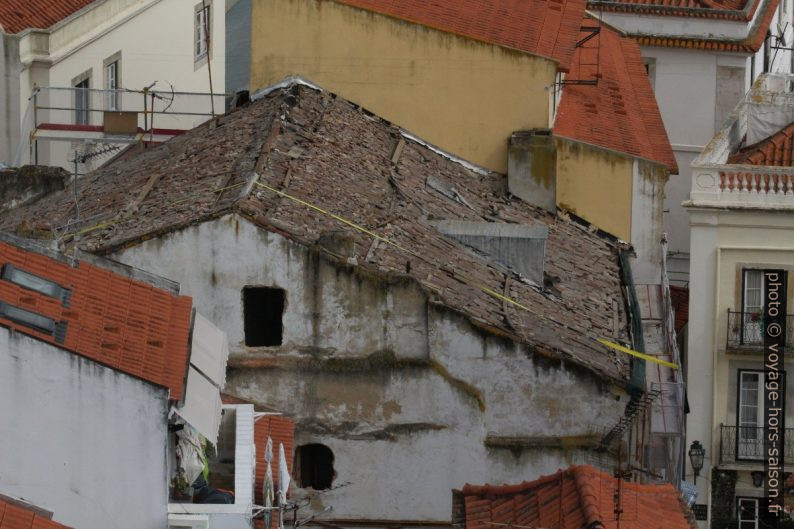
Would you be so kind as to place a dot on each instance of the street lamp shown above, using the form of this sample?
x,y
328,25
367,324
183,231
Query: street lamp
x,y
696,454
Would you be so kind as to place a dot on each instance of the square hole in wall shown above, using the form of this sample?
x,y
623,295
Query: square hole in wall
x,y
263,308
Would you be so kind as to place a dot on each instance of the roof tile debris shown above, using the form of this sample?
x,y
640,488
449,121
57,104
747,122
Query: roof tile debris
x,y
18,515
319,148
776,150
541,27
18,15
577,497
119,322
620,111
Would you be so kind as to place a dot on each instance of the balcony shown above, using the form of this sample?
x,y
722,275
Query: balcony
x,y
744,444
717,183
745,333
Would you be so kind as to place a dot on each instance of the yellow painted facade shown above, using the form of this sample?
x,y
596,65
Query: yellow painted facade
x,y
459,94
595,184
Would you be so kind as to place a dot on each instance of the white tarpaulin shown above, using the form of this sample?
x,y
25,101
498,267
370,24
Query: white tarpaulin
x,y
205,378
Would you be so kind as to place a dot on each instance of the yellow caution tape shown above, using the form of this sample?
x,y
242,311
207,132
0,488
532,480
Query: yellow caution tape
x,y
638,354
387,241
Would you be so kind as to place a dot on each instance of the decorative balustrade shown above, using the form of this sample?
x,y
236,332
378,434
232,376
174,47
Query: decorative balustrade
x,y
743,186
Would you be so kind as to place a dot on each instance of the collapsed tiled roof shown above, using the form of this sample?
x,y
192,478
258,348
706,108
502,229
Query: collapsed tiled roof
x,y
18,15
119,322
776,150
541,27
619,112
578,497
19,515
326,151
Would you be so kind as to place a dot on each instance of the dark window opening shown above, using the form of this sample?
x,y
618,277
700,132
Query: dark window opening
x,y
314,464
262,311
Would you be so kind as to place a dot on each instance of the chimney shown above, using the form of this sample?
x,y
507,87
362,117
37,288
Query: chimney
x,y
532,168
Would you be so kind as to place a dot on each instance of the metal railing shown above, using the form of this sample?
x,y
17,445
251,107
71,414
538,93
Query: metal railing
x,y
745,331
744,444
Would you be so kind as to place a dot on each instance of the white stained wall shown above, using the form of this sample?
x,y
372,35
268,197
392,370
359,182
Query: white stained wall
x,y
81,440
403,392
154,41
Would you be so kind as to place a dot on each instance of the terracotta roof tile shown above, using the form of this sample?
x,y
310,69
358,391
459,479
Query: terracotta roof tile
x,y
111,319
280,429
679,296
620,111
726,9
18,15
580,496
322,149
751,44
776,150
542,27
17,515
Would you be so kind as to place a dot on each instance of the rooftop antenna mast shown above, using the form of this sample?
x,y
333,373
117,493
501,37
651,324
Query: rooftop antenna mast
x,y
83,158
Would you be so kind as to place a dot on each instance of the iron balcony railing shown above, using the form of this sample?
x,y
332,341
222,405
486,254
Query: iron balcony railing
x,y
746,331
745,444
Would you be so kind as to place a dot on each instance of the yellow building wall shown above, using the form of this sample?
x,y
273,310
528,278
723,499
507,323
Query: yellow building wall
x,y
595,184
461,95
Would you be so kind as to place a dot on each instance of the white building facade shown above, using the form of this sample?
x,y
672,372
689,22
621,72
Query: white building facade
x,y
701,61
97,60
740,225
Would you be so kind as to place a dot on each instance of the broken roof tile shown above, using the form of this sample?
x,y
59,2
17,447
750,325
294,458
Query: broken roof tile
x,y
346,170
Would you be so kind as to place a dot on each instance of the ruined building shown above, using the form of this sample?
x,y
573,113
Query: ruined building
x,y
422,326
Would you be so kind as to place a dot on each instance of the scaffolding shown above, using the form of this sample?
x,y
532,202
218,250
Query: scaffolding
x,y
61,122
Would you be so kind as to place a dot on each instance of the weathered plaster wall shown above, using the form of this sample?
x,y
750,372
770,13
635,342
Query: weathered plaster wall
x,y
647,212
401,390
80,439
595,184
465,96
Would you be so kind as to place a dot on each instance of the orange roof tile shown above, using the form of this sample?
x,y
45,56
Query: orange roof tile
x,y
720,9
620,111
17,515
580,496
776,150
18,15
679,296
542,27
280,429
751,44
119,322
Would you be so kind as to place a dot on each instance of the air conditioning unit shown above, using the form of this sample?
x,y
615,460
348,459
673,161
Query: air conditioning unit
x,y
188,521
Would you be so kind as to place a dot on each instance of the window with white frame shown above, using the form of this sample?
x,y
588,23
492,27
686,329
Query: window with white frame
x,y
82,97
747,513
201,31
112,85
749,431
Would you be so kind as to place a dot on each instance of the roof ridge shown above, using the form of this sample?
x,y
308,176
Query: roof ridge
x,y
587,495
